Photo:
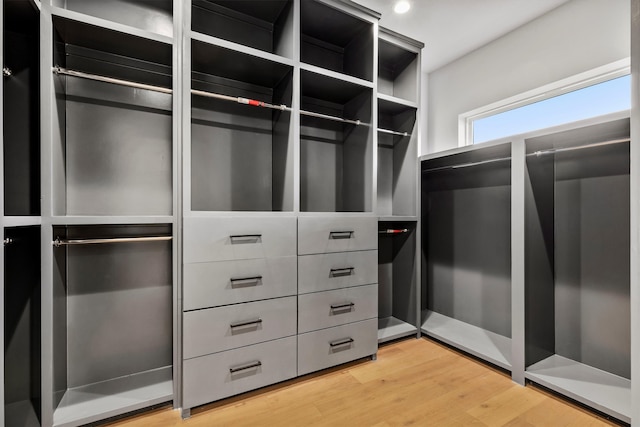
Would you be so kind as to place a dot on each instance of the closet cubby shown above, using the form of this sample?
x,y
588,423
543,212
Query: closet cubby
x,y
21,109
397,275
398,70
154,16
335,151
577,271
335,40
397,152
262,25
241,150
466,239
22,330
112,143
112,320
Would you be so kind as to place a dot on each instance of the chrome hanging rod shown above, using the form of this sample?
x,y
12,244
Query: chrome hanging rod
x,y
64,242
466,165
238,99
334,118
580,147
393,132
6,71
66,72
7,241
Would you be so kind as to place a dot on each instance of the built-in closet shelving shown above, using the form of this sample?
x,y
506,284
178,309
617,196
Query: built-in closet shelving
x,y
578,339
466,227
109,218
20,219
398,90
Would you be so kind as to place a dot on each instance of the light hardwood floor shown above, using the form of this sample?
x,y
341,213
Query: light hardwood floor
x,y
414,382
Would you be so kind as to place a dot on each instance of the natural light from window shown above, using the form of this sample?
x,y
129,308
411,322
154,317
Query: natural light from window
x,y
592,101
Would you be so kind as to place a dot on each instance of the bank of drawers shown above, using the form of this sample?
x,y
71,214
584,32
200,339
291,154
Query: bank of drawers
x,y
240,320
337,291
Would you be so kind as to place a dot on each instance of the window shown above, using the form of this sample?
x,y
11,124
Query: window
x,y
591,101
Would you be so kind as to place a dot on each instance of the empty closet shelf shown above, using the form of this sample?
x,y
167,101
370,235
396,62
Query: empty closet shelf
x,y
334,118
66,242
391,328
238,99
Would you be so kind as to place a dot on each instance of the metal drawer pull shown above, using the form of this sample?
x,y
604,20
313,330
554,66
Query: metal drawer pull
x,y
340,234
245,238
341,342
246,281
255,364
246,323
339,306
339,272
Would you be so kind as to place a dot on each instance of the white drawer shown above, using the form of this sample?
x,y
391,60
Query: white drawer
x,y
332,308
224,328
218,283
336,270
318,235
229,238
225,374
329,347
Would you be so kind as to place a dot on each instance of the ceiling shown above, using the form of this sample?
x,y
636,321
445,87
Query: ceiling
x,y
452,28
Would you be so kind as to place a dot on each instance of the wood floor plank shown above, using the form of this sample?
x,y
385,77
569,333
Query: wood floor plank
x,y
414,382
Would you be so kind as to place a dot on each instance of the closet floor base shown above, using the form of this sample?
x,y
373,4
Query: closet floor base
x,y
21,414
391,328
601,390
106,399
479,342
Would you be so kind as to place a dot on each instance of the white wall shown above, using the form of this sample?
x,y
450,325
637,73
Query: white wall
x,y
576,37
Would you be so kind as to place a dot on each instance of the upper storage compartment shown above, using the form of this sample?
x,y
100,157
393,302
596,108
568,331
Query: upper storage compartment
x,y
397,71
241,149
154,16
21,109
264,25
112,139
335,40
336,145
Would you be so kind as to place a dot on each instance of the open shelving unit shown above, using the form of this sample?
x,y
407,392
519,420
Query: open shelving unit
x,y
240,122
578,339
336,145
262,25
466,226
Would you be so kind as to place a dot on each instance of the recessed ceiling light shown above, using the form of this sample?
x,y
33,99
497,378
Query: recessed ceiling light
x,y
402,6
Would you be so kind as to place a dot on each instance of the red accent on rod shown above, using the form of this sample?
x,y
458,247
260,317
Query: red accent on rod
x,y
255,103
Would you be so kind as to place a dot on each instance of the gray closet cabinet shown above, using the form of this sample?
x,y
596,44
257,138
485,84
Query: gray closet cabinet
x,y
527,252
200,184
398,132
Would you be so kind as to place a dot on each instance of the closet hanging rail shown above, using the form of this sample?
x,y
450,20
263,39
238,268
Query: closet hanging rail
x,y
334,118
466,165
394,231
238,99
6,71
581,147
69,242
66,72
393,132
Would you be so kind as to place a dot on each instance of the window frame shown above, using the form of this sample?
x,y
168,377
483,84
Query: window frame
x,y
576,82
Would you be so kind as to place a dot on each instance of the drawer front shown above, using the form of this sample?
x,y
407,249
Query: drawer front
x,y
317,235
332,308
224,328
225,374
323,272
226,239
330,347
211,284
